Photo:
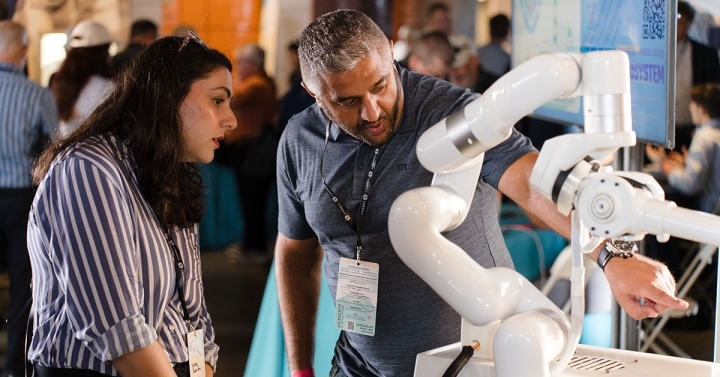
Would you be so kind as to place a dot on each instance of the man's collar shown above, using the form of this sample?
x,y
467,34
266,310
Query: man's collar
x,y
7,67
336,132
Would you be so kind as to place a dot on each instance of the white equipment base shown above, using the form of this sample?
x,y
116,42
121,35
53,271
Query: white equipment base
x,y
588,361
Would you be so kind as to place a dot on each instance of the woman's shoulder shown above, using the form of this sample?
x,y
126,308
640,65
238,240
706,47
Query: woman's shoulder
x,y
99,150
90,162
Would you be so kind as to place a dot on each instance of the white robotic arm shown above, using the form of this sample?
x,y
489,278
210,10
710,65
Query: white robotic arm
x,y
498,305
499,302
488,121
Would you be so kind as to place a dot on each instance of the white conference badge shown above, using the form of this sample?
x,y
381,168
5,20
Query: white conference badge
x,y
196,350
356,297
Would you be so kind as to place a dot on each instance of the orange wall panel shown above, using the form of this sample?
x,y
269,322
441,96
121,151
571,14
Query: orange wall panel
x,y
194,13
222,41
246,17
169,18
223,24
221,13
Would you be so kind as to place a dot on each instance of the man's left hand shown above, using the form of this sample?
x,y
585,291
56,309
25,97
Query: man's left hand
x,y
638,278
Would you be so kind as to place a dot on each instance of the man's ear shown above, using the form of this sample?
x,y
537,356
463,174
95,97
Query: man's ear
x,y
392,53
313,95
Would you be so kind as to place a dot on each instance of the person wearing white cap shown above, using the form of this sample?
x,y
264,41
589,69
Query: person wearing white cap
x,y
85,77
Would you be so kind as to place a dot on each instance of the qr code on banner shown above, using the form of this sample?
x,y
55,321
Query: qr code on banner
x,y
654,19
350,325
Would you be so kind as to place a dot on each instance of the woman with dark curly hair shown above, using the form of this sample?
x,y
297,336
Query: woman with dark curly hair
x,y
84,79
113,234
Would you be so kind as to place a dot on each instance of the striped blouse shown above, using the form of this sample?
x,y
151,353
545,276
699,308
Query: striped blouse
x,y
103,273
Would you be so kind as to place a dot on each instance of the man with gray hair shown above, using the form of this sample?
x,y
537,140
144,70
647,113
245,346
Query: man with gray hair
x,y
341,165
250,150
432,55
466,70
29,117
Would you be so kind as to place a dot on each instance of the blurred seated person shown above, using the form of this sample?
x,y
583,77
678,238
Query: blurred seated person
x,y
691,178
466,71
696,64
696,172
431,55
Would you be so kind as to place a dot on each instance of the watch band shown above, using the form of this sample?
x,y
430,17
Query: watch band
x,y
604,257
615,248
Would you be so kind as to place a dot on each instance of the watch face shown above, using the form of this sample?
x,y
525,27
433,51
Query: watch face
x,y
621,248
623,245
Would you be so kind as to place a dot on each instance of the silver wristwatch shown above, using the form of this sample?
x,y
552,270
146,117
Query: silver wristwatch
x,y
615,248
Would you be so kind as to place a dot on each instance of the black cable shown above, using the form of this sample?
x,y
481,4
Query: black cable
x,y
465,354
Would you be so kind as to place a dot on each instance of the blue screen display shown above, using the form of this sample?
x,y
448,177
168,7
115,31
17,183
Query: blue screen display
x,y
645,29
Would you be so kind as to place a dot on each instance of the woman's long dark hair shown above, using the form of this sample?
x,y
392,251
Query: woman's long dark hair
x,y
144,110
74,73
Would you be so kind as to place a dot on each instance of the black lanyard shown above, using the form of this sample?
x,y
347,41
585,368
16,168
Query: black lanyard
x,y
177,257
179,272
365,196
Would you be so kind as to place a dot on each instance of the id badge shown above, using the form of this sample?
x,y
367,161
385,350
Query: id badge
x,y
196,350
356,298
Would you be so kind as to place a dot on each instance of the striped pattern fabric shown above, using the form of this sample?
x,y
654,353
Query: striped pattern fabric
x,y
103,273
28,115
